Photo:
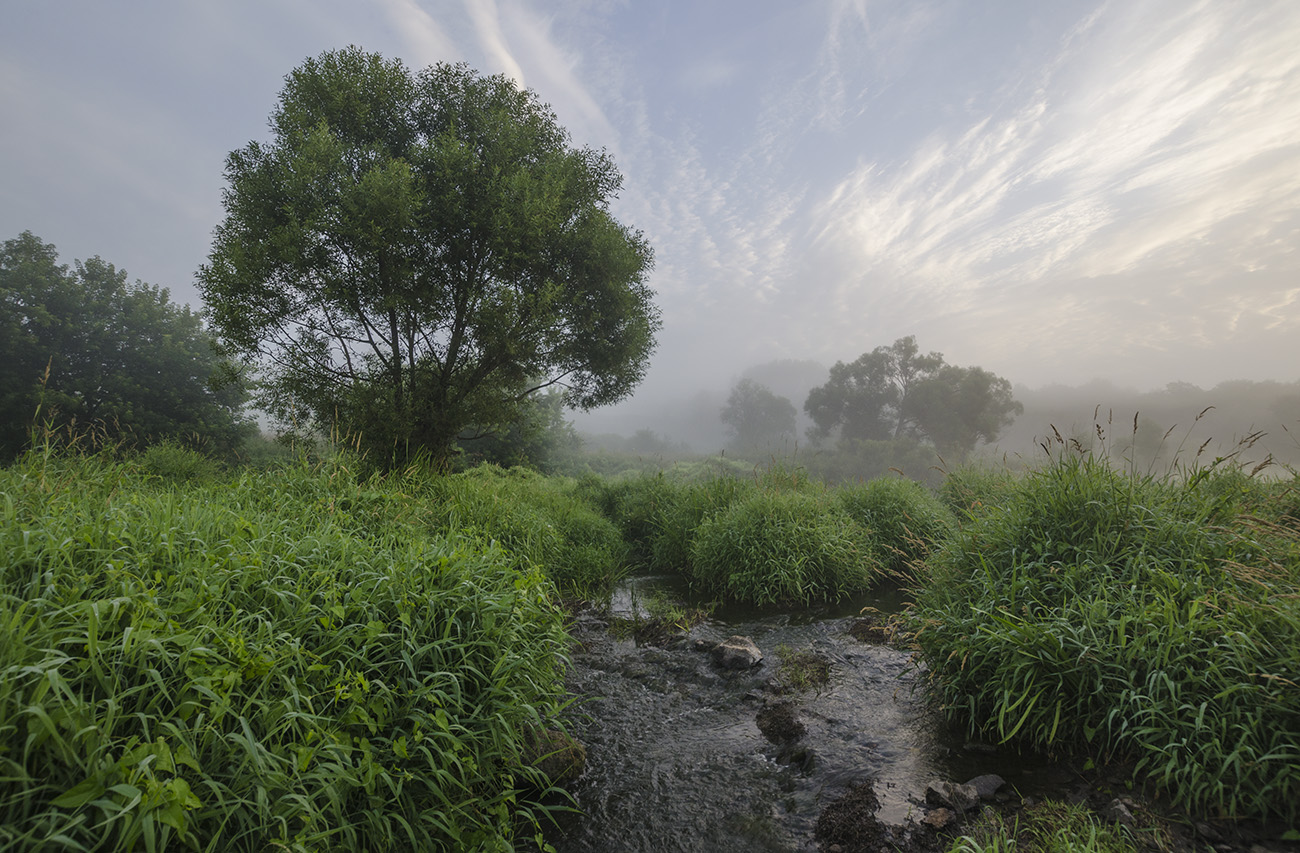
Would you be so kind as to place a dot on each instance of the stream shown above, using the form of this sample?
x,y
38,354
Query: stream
x,y
675,758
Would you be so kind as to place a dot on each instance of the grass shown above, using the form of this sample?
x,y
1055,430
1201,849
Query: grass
x,y
904,518
1107,613
1048,827
542,521
782,547
262,662
801,670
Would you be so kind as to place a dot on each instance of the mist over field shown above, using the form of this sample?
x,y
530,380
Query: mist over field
x,y
1056,193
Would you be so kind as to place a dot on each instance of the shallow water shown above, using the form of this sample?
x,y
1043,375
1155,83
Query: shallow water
x,y
676,761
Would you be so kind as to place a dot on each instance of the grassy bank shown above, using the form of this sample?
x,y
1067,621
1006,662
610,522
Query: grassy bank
x,y
773,536
1112,615
293,660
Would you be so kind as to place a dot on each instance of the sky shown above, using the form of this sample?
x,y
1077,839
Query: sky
x,y
1057,192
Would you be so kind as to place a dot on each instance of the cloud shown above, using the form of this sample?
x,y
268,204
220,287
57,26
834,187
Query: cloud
x,y
420,33
1165,145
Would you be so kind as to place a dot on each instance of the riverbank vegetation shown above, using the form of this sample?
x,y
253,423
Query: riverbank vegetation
x,y
1120,616
312,655
299,660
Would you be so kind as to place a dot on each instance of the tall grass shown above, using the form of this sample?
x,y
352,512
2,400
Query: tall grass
x,y
1111,613
543,521
782,547
904,519
260,663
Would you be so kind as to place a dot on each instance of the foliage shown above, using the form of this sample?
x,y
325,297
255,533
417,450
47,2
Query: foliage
x,y
269,662
411,252
972,490
1046,827
895,392
543,522
782,547
178,465
1110,613
673,548
84,346
539,437
905,520
636,505
756,418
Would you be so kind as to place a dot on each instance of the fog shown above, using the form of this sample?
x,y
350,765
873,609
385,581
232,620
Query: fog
x,y
1053,192
1152,431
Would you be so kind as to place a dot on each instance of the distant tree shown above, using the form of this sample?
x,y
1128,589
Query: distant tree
x,y
789,378
756,418
85,346
410,251
895,392
958,407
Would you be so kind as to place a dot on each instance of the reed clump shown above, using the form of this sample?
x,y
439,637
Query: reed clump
x,y
783,547
1108,613
262,662
905,520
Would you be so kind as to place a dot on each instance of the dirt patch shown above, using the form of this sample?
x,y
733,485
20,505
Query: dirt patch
x,y
850,825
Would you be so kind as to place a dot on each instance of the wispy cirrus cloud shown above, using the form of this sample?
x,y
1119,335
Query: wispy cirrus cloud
x,y
1165,142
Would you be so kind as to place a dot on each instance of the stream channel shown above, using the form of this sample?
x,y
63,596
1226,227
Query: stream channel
x,y
675,758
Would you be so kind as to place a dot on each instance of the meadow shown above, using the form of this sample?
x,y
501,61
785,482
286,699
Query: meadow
x,y
313,656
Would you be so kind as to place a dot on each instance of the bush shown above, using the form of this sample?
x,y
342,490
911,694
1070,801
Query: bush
x,y
672,548
904,519
542,521
782,548
1107,613
636,505
233,668
176,464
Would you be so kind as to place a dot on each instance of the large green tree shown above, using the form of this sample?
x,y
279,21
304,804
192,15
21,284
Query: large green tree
x,y
896,392
415,253
85,346
757,418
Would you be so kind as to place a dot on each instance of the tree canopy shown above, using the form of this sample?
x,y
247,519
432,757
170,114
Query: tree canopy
x,y
86,347
757,418
414,254
895,392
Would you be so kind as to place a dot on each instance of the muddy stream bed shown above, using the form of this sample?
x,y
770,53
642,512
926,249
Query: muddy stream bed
x,y
676,760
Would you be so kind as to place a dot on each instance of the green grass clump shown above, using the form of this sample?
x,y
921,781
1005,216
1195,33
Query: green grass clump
x,y
904,518
672,548
541,520
1048,827
176,464
234,667
972,490
636,505
782,547
1108,614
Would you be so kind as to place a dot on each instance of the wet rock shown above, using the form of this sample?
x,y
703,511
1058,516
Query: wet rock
x,y
560,758
1119,811
737,653
939,818
850,823
780,724
960,798
798,756
987,786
